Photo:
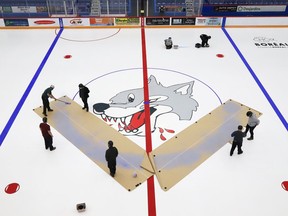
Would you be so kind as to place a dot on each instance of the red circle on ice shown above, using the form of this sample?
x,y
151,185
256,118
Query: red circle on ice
x,y
67,56
220,55
12,188
285,185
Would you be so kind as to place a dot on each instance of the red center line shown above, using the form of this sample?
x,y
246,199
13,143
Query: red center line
x,y
150,181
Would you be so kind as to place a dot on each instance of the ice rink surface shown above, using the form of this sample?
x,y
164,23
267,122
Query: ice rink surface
x,y
109,62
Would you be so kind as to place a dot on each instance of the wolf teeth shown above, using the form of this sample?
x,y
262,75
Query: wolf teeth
x,y
120,127
122,120
103,116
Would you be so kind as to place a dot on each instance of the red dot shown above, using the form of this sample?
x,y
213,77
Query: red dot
x,y
285,185
67,56
12,188
220,55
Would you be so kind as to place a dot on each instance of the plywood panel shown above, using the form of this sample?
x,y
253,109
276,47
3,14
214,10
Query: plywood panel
x,y
180,155
91,135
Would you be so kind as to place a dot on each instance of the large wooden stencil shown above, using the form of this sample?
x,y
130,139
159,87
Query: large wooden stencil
x,y
91,135
180,155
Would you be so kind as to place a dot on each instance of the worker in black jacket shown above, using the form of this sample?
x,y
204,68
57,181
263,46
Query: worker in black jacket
x,y
110,156
84,94
205,39
238,140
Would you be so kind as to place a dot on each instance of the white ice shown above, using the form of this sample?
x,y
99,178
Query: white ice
x,y
52,183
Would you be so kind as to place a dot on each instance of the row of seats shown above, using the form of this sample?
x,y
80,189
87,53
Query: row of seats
x,y
83,6
250,2
176,7
247,2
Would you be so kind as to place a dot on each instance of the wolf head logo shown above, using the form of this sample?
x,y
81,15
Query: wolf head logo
x,y
125,112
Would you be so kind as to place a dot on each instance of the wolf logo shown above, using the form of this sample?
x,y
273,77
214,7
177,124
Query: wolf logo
x,y
125,112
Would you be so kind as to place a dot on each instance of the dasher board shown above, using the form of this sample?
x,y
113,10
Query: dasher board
x,y
180,155
91,135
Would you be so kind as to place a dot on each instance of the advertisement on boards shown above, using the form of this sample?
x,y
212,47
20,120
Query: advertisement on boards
x,y
43,22
183,21
16,22
157,21
76,22
123,21
208,21
105,21
2,23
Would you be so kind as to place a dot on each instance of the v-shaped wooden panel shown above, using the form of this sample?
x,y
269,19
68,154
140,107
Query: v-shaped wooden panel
x,y
91,135
171,161
180,155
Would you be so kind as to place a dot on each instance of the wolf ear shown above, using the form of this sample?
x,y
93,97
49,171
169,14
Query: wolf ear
x,y
152,79
184,89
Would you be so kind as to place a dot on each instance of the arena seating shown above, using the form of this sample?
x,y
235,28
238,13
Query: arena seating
x,y
247,2
82,6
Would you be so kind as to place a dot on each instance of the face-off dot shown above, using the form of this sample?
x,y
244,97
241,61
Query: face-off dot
x,y
12,188
220,55
285,185
68,56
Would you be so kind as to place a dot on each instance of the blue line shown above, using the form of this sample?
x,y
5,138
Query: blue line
x,y
223,22
277,111
61,23
27,91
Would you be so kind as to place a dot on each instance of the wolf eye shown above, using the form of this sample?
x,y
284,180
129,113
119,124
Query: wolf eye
x,y
131,98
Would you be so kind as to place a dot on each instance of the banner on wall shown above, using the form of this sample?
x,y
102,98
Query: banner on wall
x,y
157,21
6,9
208,21
24,9
105,21
183,21
41,9
225,8
261,8
127,21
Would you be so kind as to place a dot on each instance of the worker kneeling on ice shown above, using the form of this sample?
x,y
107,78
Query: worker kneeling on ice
x,y
168,43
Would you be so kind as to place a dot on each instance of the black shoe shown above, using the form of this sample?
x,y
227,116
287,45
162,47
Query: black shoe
x,y
87,110
50,110
112,174
240,152
250,138
53,149
44,114
83,108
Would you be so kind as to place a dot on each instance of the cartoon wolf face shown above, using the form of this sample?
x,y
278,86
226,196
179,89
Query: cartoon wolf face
x,y
125,112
